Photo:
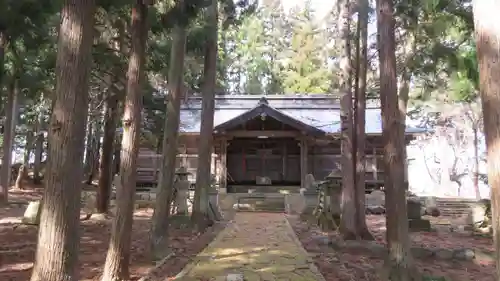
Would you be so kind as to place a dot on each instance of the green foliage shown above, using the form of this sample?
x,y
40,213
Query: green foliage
x,y
274,52
436,48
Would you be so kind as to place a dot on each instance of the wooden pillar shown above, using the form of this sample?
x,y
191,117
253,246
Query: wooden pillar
x,y
374,164
223,166
285,160
304,151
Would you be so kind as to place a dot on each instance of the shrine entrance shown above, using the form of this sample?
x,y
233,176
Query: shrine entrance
x,y
263,147
275,161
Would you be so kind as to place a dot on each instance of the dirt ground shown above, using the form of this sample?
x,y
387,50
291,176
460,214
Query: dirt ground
x,y
347,266
18,242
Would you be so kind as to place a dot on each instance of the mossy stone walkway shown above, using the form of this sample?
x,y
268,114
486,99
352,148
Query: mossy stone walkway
x,y
254,247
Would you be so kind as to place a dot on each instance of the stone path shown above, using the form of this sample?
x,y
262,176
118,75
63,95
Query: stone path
x,y
254,247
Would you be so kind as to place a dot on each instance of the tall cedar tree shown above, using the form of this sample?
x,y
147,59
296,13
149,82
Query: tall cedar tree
x,y
200,214
118,257
9,132
114,97
399,263
58,237
348,223
488,52
359,120
159,231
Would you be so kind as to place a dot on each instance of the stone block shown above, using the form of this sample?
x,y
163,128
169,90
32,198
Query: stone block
x,y
32,213
375,198
414,210
143,204
477,214
432,211
419,225
375,210
422,253
295,203
444,254
464,254
263,180
235,277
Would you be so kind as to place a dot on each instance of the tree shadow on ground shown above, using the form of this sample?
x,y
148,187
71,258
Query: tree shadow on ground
x,y
356,264
19,244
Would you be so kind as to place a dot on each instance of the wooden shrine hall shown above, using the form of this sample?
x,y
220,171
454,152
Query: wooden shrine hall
x,y
274,141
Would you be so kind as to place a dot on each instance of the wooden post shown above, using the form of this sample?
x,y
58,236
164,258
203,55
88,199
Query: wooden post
x,y
285,159
223,166
304,151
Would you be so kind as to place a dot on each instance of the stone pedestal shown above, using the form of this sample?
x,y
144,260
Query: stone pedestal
x,y
414,212
213,200
375,202
414,208
182,187
419,225
310,201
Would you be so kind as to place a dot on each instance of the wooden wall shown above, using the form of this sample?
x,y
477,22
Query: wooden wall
x,y
278,159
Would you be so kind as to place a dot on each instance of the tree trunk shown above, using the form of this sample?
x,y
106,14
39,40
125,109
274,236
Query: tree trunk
x,y
159,231
8,140
475,176
106,162
3,45
200,214
97,153
404,94
348,223
118,257
39,141
488,53
117,155
59,223
399,264
360,116
88,145
28,148
94,149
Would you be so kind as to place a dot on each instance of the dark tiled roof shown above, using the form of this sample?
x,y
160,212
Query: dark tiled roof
x,y
319,111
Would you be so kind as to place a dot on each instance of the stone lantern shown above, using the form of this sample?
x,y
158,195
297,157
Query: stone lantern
x,y
182,186
334,191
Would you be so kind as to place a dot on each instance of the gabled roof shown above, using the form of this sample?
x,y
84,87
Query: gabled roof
x,y
319,111
264,109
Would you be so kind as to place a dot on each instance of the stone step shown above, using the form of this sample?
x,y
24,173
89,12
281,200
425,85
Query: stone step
x,y
256,204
